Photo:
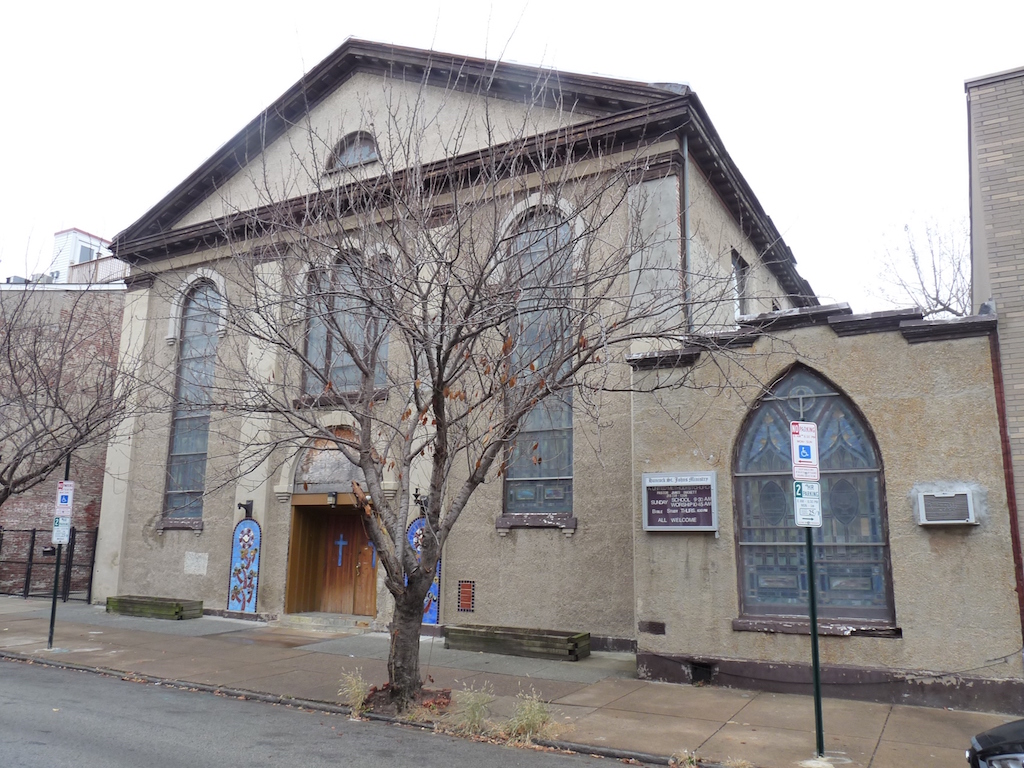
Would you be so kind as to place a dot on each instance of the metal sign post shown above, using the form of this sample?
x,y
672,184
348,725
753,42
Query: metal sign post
x,y
61,533
807,515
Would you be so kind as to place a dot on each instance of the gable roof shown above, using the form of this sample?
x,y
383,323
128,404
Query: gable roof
x,y
621,109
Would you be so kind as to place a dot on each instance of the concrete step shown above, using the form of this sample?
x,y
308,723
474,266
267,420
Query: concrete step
x,y
325,622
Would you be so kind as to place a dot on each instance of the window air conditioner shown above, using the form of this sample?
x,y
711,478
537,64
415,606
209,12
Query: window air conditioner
x,y
950,508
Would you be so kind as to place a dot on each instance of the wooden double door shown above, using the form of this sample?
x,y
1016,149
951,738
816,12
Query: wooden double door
x,y
350,568
332,566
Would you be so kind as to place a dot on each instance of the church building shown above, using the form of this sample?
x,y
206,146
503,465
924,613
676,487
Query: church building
x,y
652,502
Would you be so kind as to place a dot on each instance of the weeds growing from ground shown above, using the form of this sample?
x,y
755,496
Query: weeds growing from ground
x,y
469,711
683,759
353,691
530,719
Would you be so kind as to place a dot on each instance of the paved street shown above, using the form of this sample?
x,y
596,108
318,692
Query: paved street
x,y
57,717
598,702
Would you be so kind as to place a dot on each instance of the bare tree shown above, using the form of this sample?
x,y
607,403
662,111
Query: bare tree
x,y
437,300
58,369
932,269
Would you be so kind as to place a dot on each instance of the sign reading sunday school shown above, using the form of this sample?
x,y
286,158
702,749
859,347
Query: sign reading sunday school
x,y
680,502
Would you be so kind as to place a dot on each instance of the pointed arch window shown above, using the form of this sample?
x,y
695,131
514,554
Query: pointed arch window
x,y
357,148
851,549
540,464
190,422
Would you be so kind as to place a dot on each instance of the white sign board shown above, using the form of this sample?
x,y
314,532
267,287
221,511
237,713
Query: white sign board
x,y
804,439
62,512
807,504
61,530
65,496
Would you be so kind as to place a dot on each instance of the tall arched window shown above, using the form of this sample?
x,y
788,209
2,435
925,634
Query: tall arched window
x,y
851,549
190,423
341,321
539,475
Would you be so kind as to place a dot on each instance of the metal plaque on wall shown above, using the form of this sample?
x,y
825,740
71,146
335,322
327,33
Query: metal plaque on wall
x,y
680,501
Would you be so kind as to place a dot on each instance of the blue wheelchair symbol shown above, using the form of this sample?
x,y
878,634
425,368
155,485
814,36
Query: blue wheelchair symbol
x,y
805,452
63,498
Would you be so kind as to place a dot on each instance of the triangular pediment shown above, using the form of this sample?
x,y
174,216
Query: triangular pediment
x,y
363,82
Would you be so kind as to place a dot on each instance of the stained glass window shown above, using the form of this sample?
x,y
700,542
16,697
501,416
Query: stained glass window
x,y
341,320
190,422
851,548
539,476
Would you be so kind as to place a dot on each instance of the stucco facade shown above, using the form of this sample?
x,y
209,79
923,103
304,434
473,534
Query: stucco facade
x,y
931,407
925,393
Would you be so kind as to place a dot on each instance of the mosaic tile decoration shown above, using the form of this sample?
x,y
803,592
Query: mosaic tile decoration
x,y
245,567
415,534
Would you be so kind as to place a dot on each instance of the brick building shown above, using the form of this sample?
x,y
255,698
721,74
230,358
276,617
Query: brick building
x,y
995,112
71,335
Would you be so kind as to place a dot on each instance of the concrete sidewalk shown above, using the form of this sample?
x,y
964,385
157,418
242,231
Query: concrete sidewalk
x,y
598,701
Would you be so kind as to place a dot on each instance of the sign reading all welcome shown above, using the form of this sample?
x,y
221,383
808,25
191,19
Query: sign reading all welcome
x,y
680,502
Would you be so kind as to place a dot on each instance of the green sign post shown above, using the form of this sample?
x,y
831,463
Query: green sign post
x,y
807,515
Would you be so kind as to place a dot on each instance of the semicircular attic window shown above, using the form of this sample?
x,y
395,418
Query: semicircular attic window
x,y
357,148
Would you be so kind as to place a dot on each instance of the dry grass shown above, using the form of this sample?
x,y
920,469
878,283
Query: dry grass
x,y
353,691
530,719
467,715
683,759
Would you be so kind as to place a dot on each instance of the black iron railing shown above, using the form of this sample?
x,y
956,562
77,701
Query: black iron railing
x,y
27,561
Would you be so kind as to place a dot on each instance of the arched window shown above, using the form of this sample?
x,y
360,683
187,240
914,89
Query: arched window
x,y
341,322
851,549
539,475
190,423
355,149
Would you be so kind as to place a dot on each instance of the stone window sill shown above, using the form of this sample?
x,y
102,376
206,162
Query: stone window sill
x,y
180,524
795,626
336,399
563,521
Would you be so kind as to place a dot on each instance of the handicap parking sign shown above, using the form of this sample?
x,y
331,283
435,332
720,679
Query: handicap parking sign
x,y
805,452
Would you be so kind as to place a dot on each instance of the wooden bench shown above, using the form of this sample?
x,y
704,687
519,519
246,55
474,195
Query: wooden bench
x,y
155,607
513,641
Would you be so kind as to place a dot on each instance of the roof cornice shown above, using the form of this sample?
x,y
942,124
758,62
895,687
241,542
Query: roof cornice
x,y
625,113
587,94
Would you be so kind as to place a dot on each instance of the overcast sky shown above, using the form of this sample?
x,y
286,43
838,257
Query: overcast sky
x,y
847,119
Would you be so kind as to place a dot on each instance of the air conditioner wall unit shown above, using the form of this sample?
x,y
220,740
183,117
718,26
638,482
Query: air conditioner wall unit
x,y
953,507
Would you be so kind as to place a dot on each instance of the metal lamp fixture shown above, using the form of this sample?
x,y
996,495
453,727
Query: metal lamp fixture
x,y
332,498
421,501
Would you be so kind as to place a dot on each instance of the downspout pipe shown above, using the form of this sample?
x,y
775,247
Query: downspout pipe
x,y
1011,492
686,234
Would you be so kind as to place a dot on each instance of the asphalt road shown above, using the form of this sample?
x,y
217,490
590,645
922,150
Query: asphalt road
x,y
51,718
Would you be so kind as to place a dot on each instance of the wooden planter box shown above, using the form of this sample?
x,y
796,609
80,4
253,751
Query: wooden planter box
x,y
155,607
538,643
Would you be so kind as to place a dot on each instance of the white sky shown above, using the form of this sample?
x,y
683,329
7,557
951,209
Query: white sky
x,y
847,119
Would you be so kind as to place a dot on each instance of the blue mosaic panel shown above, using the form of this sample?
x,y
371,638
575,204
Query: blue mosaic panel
x,y
415,534
245,567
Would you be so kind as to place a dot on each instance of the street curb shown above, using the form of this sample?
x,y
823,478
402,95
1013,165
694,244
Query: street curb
x,y
334,709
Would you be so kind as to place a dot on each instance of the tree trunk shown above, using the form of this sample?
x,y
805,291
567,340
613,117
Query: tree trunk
x,y
404,656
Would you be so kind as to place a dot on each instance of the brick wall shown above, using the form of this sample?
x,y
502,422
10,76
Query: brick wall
x,y
34,508
96,319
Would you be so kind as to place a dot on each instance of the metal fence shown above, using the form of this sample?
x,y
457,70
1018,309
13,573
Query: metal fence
x,y
28,559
